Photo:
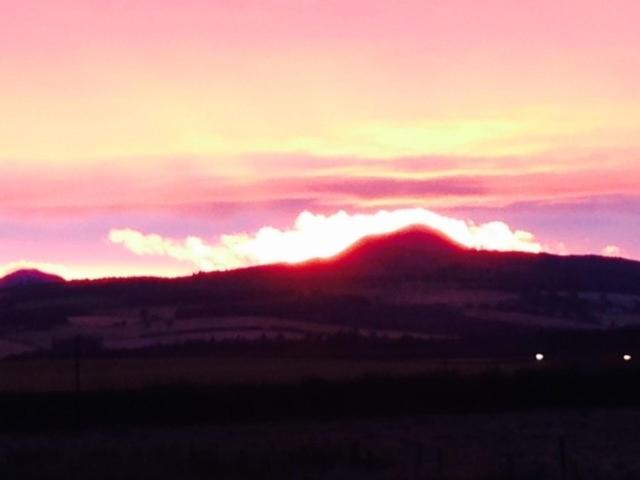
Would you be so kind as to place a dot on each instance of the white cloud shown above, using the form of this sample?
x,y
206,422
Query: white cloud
x,y
319,236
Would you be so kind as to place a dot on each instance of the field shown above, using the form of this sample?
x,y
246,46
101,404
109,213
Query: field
x,y
411,381
419,309
126,330
556,445
55,375
523,425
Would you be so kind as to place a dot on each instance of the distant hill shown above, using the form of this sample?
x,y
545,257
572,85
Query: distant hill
x,y
28,277
421,254
411,249
413,280
415,254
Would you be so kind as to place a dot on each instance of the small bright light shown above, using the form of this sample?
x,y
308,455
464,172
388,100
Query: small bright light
x,y
626,358
539,357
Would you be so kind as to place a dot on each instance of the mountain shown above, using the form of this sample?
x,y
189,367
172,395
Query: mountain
x,y
415,279
28,277
415,254
411,249
421,254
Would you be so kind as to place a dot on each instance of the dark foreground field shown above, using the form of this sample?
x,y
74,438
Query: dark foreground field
x,y
112,373
559,444
529,424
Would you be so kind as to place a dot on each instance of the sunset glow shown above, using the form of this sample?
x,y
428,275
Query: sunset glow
x,y
319,236
166,137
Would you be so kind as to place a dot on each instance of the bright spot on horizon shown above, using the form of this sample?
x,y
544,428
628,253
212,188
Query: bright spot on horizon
x,y
612,251
320,236
626,358
539,357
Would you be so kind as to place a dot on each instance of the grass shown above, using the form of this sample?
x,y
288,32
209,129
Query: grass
x,y
586,444
121,373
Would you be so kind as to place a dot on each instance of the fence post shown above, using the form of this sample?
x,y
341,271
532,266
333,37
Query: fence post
x,y
439,462
562,453
76,363
511,469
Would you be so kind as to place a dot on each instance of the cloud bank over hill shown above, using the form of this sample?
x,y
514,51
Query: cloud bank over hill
x,y
319,236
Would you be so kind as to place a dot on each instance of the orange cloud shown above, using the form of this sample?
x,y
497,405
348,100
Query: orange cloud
x,y
319,236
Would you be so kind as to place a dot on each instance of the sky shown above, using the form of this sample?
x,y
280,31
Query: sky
x,y
166,137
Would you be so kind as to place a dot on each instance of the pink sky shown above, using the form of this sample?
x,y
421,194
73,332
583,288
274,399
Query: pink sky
x,y
199,119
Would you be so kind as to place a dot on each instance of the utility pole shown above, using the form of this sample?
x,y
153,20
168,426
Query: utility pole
x,y
76,362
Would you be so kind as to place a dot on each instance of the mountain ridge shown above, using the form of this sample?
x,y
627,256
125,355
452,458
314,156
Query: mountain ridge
x,y
414,252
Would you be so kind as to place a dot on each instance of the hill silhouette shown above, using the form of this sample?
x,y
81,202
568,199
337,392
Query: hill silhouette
x,y
423,254
415,253
361,288
28,277
411,249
